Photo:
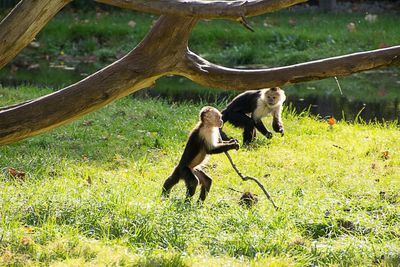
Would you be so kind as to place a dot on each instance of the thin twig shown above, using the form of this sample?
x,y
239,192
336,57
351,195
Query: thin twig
x,y
338,84
245,178
245,23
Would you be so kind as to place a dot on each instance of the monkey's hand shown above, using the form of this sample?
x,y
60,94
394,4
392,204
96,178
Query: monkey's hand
x,y
231,141
234,144
278,126
281,131
268,135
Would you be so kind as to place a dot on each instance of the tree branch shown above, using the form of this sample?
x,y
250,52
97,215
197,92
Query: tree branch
x,y
245,178
201,71
205,9
22,24
161,50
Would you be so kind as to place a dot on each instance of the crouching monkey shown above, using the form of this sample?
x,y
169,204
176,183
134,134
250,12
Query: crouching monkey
x,y
247,109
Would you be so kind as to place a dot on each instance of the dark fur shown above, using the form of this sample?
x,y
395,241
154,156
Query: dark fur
x,y
246,103
248,199
188,167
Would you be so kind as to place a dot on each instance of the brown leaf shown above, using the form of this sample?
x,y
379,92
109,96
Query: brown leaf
x,y
16,173
351,27
88,123
132,24
385,154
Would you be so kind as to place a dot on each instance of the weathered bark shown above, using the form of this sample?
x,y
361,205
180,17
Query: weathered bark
x,y
161,50
22,24
203,72
205,9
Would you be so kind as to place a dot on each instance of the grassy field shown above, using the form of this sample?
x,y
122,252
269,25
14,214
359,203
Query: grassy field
x,y
91,193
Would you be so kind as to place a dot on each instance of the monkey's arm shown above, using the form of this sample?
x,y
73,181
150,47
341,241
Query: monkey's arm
x,y
223,147
223,135
277,123
261,128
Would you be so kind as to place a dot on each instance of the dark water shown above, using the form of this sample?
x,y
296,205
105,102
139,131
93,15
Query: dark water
x,y
343,108
370,96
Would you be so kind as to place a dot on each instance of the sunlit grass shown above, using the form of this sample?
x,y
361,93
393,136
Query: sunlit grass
x,y
91,193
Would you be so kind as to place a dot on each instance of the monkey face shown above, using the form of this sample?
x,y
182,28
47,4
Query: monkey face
x,y
272,98
275,96
211,117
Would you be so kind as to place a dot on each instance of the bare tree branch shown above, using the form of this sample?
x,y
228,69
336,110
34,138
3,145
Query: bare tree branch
x,y
22,24
161,50
201,71
205,9
245,178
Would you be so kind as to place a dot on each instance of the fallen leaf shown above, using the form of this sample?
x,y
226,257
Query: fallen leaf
x,y
88,123
386,154
132,24
292,22
382,91
89,180
26,241
383,45
331,121
371,18
16,173
351,27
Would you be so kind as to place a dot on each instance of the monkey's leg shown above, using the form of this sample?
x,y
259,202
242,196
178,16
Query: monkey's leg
x,y
243,121
205,182
248,133
172,180
191,182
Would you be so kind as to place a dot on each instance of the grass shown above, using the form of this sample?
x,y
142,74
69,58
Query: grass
x,y
91,193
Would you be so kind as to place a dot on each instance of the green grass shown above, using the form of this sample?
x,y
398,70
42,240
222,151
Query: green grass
x,y
91,194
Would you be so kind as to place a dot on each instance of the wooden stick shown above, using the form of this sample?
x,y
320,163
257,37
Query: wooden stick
x,y
245,178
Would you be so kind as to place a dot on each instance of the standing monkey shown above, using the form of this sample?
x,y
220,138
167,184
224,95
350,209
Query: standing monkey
x,y
247,109
203,140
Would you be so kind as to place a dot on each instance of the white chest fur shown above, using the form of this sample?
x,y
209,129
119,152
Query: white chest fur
x,y
210,136
262,109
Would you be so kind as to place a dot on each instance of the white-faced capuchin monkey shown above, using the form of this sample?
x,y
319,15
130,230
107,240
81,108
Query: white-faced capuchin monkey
x,y
204,139
247,109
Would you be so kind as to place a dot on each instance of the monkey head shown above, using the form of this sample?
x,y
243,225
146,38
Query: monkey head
x,y
274,96
211,117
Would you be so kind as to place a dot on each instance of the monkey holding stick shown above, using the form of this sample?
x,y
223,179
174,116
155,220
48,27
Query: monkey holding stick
x,y
203,140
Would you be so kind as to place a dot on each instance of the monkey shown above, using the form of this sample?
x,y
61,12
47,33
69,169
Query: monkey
x,y
247,109
203,140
